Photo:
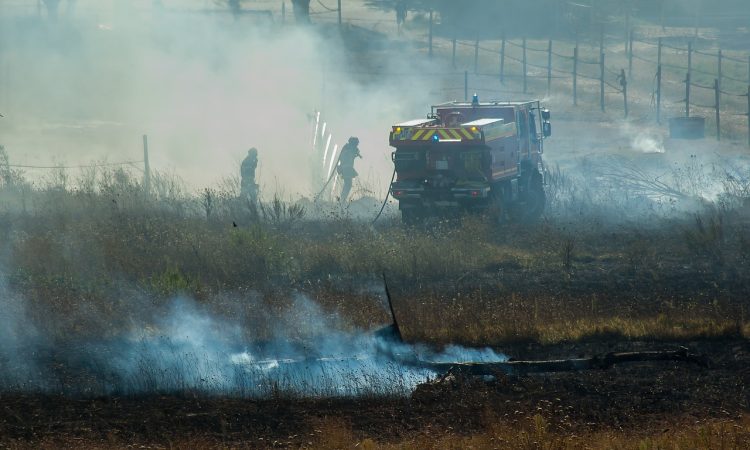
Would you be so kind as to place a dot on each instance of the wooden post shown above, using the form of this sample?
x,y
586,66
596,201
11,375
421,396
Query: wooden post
x,y
687,95
575,76
476,56
339,12
718,105
624,84
430,38
658,54
690,57
601,81
658,94
502,61
719,57
454,53
525,80
146,167
630,56
466,85
628,35
549,67
283,12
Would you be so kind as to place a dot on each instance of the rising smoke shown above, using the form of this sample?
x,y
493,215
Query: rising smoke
x,y
204,87
187,349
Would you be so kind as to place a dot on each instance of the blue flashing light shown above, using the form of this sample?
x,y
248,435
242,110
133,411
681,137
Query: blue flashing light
x,y
435,137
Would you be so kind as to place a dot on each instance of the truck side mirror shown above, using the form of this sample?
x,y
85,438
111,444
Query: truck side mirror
x,y
547,129
545,114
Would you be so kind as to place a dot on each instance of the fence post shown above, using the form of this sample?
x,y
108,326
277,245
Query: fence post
x,y
628,30
601,80
690,57
687,95
283,12
549,67
624,84
466,85
525,80
146,167
658,54
430,38
453,59
339,11
476,56
718,115
630,56
502,61
658,94
720,56
575,76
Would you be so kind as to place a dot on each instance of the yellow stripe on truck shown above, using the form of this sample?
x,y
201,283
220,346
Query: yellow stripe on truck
x,y
466,133
423,134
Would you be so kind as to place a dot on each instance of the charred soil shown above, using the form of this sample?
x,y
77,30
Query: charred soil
x,y
637,399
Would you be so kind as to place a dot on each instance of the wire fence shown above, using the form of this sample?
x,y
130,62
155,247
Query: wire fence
x,y
656,64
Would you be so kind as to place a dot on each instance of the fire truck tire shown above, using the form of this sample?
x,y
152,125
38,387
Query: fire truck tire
x,y
534,200
497,209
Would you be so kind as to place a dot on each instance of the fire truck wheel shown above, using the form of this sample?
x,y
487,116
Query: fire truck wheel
x,y
497,209
534,200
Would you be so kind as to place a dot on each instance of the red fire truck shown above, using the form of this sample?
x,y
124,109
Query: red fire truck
x,y
472,157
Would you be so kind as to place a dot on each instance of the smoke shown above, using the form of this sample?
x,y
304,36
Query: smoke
x,y
17,337
204,87
188,349
648,143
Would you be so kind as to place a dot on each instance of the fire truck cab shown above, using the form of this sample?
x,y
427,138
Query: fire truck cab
x,y
472,157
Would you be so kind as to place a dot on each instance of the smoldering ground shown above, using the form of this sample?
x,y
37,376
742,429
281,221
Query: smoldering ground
x,y
183,348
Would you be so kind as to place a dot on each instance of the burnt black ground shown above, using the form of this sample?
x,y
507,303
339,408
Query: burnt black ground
x,y
628,397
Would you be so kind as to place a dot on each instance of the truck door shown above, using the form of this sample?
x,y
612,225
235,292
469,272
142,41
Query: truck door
x,y
524,143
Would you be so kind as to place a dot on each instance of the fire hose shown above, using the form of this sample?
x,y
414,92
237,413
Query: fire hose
x,y
317,196
387,194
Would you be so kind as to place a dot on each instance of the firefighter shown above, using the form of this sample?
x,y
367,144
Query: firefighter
x,y
345,167
248,187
